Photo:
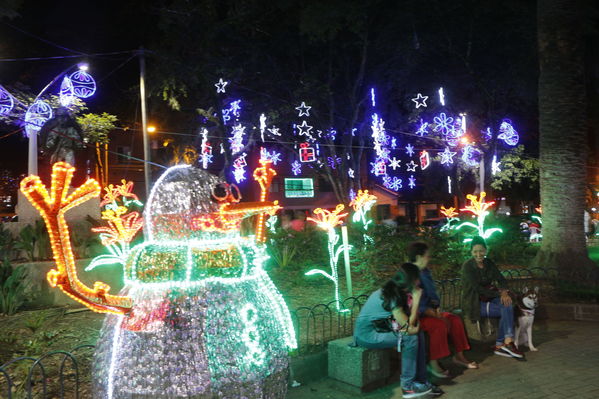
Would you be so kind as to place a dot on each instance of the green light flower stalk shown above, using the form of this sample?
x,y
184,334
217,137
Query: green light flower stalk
x,y
478,207
328,220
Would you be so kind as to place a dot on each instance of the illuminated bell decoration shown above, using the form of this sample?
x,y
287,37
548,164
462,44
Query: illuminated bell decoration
x,y
84,85
198,316
307,153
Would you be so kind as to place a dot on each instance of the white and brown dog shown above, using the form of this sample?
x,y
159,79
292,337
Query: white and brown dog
x,y
527,303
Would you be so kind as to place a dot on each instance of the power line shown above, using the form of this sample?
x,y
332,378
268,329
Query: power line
x,y
59,57
43,40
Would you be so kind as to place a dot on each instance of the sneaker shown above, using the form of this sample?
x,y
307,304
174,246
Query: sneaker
x,y
415,391
512,350
498,351
435,390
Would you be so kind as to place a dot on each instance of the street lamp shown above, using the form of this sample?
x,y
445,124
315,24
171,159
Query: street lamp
x,y
151,129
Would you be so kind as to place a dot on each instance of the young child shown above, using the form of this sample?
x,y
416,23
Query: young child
x,y
397,300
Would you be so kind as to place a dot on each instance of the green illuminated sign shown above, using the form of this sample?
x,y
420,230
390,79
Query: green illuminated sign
x,y
299,188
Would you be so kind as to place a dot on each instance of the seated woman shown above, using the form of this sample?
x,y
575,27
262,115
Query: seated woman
x,y
396,301
439,325
485,294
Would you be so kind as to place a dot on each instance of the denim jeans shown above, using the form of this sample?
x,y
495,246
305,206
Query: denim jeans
x,y
495,309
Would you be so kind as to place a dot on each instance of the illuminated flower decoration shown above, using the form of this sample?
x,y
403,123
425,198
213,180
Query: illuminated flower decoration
x,y
363,200
449,212
478,206
124,190
121,229
328,220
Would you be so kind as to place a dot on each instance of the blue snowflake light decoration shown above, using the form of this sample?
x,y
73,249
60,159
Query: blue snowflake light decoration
x,y
410,149
422,129
412,181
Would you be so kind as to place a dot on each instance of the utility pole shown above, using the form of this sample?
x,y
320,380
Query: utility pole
x,y
144,121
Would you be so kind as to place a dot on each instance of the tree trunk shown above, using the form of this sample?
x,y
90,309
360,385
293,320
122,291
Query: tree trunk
x,y
563,133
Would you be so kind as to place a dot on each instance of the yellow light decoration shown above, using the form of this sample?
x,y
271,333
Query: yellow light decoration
x,y
363,200
114,192
52,207
327,220
478,206
449,212
263,175
120,228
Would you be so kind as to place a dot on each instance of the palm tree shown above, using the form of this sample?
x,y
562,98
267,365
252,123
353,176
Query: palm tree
x,y
563,133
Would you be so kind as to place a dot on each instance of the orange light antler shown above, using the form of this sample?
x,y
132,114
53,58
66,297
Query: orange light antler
x,y
52,207
263,175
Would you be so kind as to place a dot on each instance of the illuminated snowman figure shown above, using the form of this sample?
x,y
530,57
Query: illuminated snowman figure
x,y
198,316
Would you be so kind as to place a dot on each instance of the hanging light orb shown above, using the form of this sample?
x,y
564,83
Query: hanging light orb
x,y
66,94
37,114
7,103
84,85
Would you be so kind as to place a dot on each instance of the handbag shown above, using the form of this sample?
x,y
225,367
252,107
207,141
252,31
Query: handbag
x,y
383,325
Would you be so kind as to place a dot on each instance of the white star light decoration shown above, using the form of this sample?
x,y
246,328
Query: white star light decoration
x,y
420,100
410,150
412,181
304,110
394,163
220,86
304,129
411,166
447,156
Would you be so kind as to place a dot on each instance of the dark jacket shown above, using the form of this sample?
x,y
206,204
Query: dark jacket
x,y
474,283
430,298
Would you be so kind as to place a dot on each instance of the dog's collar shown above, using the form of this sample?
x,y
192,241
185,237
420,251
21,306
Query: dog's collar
x,y
528,311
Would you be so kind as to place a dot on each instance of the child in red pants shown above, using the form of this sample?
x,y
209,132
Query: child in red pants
x,y
440,326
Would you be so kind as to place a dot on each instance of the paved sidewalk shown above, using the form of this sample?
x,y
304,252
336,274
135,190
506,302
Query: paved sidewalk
x,y
566,366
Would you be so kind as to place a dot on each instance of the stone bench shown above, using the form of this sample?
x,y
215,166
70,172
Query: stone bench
x,y
361,369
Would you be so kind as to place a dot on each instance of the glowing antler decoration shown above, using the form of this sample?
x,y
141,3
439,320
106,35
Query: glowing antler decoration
x,y
52,207
263,175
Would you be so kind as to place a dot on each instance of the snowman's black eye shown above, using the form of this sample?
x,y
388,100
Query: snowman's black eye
x,y
220,191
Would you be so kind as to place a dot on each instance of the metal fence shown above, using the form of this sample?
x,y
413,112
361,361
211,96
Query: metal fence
x,y
61,374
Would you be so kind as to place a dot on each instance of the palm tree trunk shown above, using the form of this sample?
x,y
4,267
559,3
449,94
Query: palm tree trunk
x,y
563,133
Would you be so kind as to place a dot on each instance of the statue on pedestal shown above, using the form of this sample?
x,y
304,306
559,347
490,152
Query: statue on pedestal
x,y
63,136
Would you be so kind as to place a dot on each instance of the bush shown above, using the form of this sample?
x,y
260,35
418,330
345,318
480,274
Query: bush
x,y
12,287
32,238
298,250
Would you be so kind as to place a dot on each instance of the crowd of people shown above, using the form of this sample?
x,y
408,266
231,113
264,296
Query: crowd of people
x,y
399,314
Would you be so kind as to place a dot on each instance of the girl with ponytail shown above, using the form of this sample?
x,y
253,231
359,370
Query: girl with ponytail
x,y
389,319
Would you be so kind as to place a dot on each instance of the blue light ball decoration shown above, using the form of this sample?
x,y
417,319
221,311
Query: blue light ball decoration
x,y
84,85
67,92
37,114
7,103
